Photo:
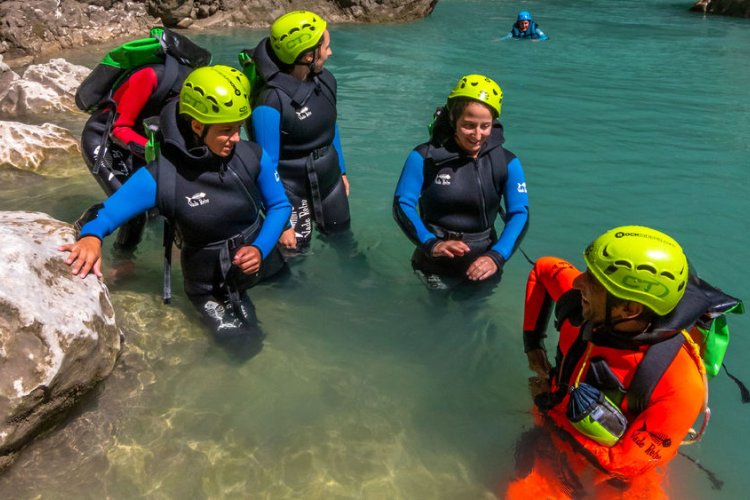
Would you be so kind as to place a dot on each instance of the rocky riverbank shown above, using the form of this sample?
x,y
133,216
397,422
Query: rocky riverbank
x,y
32,30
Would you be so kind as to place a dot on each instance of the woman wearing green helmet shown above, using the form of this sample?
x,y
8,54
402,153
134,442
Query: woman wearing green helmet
x,y
451,189
294,120
624,344
213,188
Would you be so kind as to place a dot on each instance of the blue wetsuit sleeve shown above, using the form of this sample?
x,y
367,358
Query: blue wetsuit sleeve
x,y
516,211
276,206
137,195
339,151
406,201
267,131
540,35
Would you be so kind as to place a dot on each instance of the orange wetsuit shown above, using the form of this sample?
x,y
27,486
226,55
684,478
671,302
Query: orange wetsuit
x,y
652,437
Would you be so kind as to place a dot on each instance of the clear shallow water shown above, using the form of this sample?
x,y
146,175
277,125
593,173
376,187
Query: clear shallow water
x,y
368,387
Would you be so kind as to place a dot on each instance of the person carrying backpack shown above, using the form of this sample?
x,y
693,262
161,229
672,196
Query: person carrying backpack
x,y
629,380
294,120
132,83
221,193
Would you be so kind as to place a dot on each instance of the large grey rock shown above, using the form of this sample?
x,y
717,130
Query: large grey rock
x,y
58,336
37,28
44,89
44,149
7,77
59,75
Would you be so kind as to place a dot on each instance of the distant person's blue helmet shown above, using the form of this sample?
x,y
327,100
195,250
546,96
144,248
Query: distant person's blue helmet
x,y
524,15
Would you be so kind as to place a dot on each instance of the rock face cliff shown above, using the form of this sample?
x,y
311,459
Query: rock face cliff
x,y
38,28
58,336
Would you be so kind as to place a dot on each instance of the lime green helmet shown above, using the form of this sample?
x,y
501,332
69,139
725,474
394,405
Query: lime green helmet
x,y
639,264
216,94
295,33
479,88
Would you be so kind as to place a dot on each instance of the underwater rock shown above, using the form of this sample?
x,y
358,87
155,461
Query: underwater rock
x,y
58,336
31,147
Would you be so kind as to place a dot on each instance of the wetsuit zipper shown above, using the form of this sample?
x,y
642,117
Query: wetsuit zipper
x,y
483,207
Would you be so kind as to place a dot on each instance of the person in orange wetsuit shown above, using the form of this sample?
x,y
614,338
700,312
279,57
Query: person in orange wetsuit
x,y
635,295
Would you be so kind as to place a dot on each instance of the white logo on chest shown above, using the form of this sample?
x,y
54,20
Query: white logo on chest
x,y
303,113
443,180
197,200
522,187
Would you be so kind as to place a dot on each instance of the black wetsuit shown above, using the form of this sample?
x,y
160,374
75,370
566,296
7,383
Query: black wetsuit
x,y
216,204
295,121
444,194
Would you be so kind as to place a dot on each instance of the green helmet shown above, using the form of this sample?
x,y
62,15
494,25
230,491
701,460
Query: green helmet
x,y
295,33
639,264
216,94
480,88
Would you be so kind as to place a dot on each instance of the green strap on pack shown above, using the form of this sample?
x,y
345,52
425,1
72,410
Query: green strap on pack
x,y
251,72
137,53
151,127
716,340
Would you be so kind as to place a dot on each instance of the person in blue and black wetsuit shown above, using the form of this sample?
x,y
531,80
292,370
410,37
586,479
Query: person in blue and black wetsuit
x,y
215,190
526,28
451,188
294,120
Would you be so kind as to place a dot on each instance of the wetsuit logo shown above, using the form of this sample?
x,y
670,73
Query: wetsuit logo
x,y
651,287
657,439
443,180
522,187
304,113
197,200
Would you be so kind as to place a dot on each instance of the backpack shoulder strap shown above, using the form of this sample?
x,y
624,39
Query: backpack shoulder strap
x,y
168,79
166,187
652,367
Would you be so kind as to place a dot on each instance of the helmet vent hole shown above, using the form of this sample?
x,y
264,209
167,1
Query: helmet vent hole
x,y
624,263
646,267
681,286
668,275
214,103
610,269
199,90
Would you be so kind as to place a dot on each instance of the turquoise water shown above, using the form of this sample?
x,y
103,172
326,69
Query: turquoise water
x,y
368,387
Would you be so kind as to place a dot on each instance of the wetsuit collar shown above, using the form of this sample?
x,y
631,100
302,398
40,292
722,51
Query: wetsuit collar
x,y
450,150
269,69
173,134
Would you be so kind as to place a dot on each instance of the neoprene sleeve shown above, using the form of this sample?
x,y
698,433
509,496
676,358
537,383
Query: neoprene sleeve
x,y
277,206
516,209
137,195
